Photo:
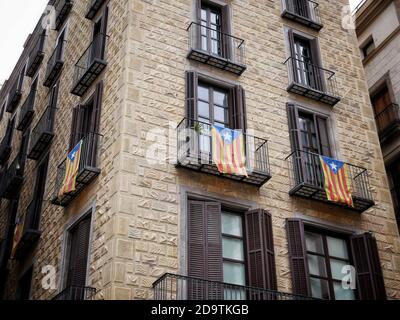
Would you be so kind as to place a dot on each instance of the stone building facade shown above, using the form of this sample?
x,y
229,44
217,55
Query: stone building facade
x,y
150,204
380,48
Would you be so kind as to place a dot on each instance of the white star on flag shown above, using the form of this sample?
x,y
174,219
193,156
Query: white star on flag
x,y
227,136
333,166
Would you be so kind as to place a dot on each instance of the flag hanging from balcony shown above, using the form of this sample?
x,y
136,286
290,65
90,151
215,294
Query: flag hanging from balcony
x,y
17,238
228,151
71,170
337,182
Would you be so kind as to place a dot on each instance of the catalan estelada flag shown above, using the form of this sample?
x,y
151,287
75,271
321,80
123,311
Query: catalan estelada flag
x,y
228,150
337,182
71,170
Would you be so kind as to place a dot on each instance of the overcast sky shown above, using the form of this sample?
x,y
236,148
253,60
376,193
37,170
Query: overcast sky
x,y
18,18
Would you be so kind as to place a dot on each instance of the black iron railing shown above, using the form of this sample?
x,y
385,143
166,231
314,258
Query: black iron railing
x,y
307,179
388,117
177,287
26,113
94,7
194,151
12,178
303,11
55,64
62,8
89,163
74,293
90,65
310,80
42,134
36,56
216,48
15,94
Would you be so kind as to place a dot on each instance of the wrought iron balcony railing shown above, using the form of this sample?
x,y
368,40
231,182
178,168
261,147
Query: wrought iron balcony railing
x,y
177,287
26,113
62,8
312,81
307,181
195,152
5,147
90,65
75,293
215,48
42,134
11,179
88,170
30,233
94,7
55,64
36,56
15,95
305,12
388,122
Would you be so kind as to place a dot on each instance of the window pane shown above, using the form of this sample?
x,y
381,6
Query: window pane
x,y
203,14
319,288
336,267
232,224
220,98
343,294
220,114
314,242
232,249
213,17
203,93
316,265
337,247
234,273
204,110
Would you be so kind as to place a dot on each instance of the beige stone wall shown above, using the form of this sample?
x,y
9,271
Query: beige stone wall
x,y
137,232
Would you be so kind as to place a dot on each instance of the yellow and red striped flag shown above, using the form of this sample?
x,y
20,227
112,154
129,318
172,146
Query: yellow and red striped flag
x,y
71,170
337,182
228,150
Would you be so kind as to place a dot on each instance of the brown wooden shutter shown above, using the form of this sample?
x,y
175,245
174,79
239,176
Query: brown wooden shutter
x,y
227,41
291,43
103,33
198,10
97,103
53,105
204,248
76,127
238,112
79,251
323,136
370,283
191,96
260,250
298,257
294,132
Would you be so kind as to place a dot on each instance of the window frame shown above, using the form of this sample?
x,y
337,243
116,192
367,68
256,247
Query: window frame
x,y
369,44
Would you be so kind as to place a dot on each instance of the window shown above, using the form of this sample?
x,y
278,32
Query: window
x,y
60,44
226,245
393,171
301,8
38,194
3,109
99,36
368,47
381,102
326,257
77,255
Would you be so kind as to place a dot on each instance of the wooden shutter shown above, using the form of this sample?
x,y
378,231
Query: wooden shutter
x,y
294,132
205,248
103,32
191,96
76,127
260,250
323,135
298,257
238,112
79,251
291,45
53,105
227,41
370,283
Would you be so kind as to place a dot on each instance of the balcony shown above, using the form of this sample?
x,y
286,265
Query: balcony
x,y
89,66
15,95
5,148
177,287
42,134
36,56
88,170
94,7
388,122
75,293
11,179
305,12
63,8
54,65
311,81
216,49
194,153
307,181
26,113
30,233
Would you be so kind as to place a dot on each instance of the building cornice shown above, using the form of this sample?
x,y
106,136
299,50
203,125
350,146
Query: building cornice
x,y
368,12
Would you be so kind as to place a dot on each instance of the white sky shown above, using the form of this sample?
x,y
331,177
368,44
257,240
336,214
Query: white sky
x,y
18,18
